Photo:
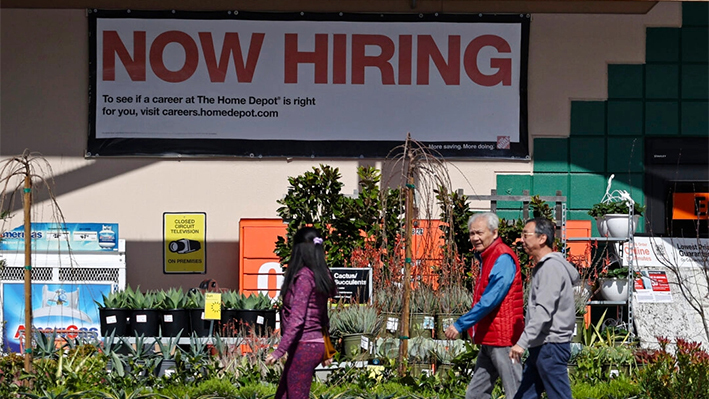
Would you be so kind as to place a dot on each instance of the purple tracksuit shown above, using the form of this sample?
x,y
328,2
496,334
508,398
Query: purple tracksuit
x,y
303,315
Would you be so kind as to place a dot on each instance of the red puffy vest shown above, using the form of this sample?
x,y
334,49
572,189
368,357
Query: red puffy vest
x,y
504,325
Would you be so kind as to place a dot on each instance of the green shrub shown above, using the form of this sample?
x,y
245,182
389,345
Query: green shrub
x,y
618,388
11,367
257,391
215,387
599,363
684,374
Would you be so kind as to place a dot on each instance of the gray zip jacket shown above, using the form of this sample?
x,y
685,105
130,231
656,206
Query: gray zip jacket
x,y
551,311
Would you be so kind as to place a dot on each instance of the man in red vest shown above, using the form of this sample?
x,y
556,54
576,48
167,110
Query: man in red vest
x,y
497,318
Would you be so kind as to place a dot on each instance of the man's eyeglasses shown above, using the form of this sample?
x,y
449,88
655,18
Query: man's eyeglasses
x,y
528,234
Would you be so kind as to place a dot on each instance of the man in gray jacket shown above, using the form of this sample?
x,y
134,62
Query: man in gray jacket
x,y
550,317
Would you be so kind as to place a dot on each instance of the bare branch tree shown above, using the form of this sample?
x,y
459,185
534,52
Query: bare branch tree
x,y
691,281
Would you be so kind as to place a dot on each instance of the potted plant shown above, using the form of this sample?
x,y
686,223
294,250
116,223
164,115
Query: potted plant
x,y
613,282
144,315
612,218
357,325
581,296
388,301
195,307
174,319
113,311
423,307
445,352
612,214
169,355
141,359
258,313
602,362
232,305
420,356
453,302
386,349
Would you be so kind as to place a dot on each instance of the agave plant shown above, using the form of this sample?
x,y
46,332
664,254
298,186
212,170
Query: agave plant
x,y
454,299
64,394
258,301
45,346
421,349
111,344
169,347
141,348
423,300
195,300
355,319
114,300
233,300
173,298
121,393
446,351
388,299
139,300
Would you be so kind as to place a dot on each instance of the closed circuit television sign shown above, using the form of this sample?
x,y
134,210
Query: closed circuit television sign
x,y
184,242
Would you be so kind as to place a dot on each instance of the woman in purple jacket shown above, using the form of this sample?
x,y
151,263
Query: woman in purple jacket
x,y
307,285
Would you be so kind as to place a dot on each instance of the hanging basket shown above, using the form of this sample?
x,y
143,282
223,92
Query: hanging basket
x,y
614,289
620,225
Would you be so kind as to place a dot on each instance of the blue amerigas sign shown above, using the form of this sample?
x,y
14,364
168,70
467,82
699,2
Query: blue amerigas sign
x,y
79,237
69,310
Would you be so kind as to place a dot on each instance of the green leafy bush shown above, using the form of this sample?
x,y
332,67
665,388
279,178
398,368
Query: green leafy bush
x,y
618,388
684,374
315,199
215,387
615,207
602,363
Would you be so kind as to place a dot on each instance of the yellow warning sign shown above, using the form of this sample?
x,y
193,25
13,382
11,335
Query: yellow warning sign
x,y
184,241
212,306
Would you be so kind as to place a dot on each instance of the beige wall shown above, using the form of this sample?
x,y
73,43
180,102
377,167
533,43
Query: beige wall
x,y
44,107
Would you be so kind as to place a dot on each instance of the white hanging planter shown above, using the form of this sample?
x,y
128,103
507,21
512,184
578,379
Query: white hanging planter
x,y
602,226
614,289
618,225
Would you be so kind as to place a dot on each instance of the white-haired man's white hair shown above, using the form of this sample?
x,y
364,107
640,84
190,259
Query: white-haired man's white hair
x,y
493,222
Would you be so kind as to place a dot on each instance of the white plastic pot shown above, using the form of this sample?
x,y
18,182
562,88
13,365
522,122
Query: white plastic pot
x,y
619,226
602,226
614,289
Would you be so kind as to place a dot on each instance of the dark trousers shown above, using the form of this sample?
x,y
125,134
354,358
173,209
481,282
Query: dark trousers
x,y
299,370
546,369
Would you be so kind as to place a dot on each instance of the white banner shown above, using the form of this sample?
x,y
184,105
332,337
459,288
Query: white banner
x,y
453,85
669,251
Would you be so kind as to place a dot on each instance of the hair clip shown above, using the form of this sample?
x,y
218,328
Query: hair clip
x,y
317,241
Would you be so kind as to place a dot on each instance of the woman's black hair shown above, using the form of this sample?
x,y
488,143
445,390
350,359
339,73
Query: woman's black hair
x,y
308,252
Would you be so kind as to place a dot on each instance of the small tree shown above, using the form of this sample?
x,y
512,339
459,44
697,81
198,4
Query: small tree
x,y
21,176
315,199
455,213
692,282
